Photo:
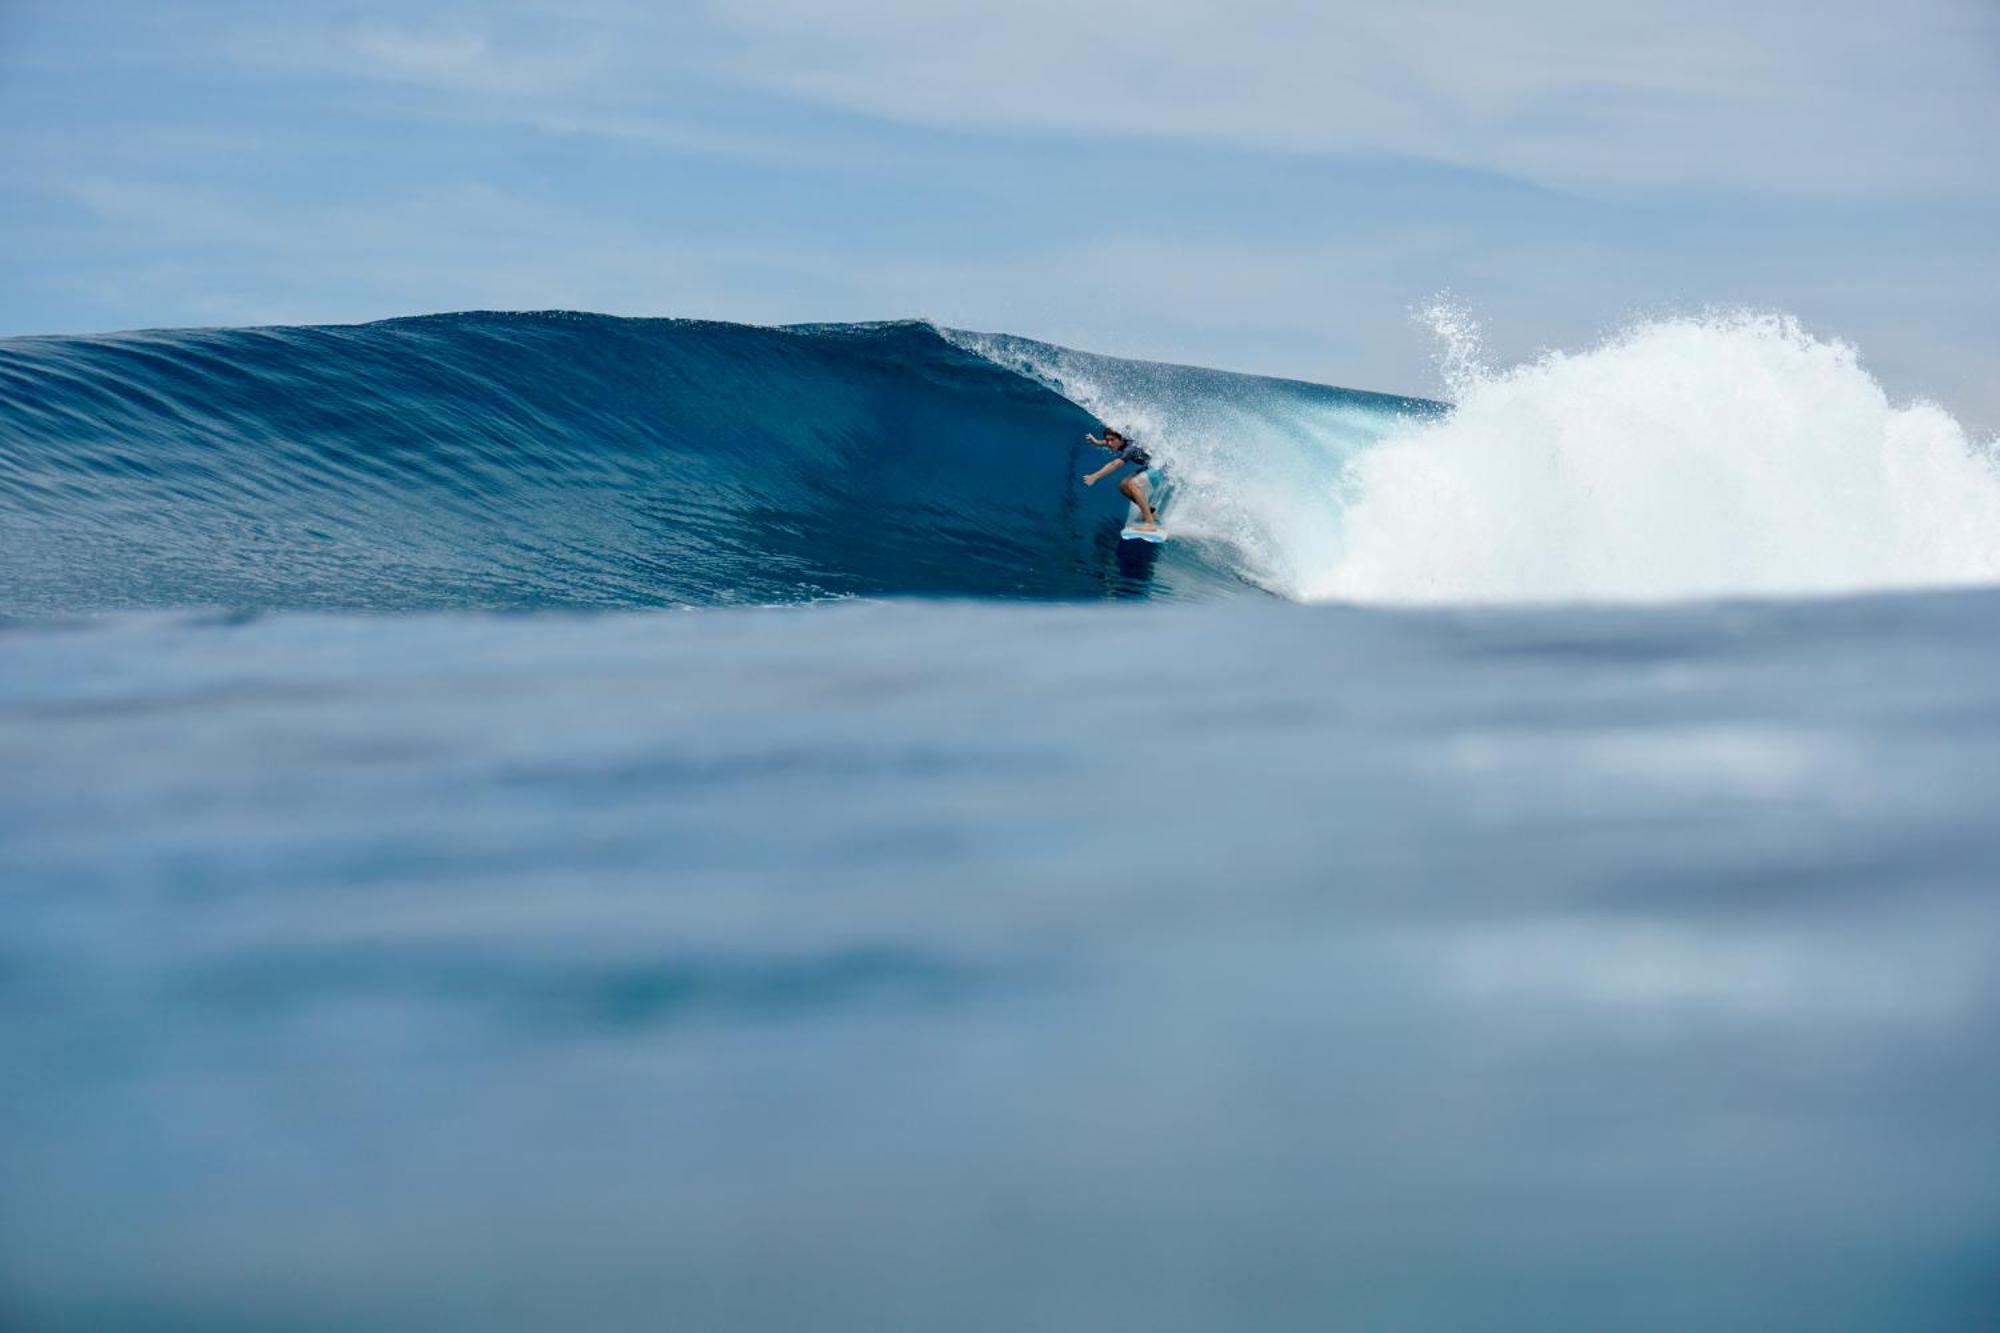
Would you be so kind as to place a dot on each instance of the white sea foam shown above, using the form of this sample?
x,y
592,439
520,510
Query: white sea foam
x,y
1714,456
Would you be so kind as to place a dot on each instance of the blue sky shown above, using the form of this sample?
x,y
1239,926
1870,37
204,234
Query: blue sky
x,y
1257,184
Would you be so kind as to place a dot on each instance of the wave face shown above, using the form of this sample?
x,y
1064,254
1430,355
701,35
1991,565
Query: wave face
x,y
513,461
1729,455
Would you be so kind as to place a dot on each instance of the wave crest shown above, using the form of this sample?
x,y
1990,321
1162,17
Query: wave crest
x,y
1724,455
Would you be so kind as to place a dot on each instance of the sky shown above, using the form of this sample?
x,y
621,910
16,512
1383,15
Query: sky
x,y
1266,185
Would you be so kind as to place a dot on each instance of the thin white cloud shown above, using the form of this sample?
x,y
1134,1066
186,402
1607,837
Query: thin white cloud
x,y
486,55
1846,98
574,73
443,57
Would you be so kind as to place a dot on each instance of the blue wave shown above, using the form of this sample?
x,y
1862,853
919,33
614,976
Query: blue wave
x,y
559,460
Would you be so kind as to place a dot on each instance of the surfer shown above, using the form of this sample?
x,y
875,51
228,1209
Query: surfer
x,y
1133,487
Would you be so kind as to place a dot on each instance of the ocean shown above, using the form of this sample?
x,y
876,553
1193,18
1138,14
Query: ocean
x,y
547,821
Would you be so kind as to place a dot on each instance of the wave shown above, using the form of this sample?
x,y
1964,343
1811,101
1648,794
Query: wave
x,y
548,460
504,461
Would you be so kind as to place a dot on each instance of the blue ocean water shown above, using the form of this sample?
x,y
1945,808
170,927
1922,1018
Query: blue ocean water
x,y
558,460
550,822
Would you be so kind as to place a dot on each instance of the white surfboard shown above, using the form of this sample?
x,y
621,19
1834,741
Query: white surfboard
x,y
1140,534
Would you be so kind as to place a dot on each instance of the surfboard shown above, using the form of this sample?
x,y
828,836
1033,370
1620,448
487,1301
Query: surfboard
x,y
1154,535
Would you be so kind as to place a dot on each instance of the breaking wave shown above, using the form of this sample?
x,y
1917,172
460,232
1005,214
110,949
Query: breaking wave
x,y
501,461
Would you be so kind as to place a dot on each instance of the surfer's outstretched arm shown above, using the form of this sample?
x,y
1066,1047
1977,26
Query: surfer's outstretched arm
x,y
1104,472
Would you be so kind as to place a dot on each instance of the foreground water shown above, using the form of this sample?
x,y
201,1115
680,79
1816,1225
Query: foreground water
x,y
867,966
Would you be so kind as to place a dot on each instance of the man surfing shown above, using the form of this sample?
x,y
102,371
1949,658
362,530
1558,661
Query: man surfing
x,y
1133,487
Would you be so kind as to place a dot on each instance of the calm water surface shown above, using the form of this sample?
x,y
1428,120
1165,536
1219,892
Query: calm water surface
x,y
870,966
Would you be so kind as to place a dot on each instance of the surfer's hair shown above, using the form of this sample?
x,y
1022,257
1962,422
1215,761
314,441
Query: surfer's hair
x,y
1113,433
